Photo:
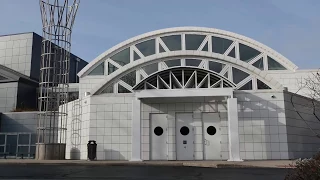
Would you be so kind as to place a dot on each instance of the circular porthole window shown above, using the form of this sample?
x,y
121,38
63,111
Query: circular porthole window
x,y
184,130
158,131
211,130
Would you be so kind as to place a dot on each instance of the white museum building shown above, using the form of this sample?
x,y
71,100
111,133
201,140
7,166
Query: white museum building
x,y
191,93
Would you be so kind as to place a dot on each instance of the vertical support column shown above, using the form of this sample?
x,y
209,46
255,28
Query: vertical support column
x,y
136,130
233,128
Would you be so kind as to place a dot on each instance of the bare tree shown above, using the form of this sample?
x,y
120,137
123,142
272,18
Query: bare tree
x,y
311,86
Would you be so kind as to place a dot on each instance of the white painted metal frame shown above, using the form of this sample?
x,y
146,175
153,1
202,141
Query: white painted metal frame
x,y
189,30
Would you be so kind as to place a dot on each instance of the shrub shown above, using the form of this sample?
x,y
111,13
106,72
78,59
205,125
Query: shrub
x,y
306,169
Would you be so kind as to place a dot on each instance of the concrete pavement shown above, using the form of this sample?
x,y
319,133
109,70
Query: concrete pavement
x,y
212,164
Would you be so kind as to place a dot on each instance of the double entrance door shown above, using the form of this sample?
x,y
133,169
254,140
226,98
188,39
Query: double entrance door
x,y
185,136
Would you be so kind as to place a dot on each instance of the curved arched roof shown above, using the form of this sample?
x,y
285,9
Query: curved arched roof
x,y
249,46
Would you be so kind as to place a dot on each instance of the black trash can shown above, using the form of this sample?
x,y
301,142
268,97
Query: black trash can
x,y
92,150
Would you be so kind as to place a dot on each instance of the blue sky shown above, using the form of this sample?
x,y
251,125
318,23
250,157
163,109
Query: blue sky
x,y
291,27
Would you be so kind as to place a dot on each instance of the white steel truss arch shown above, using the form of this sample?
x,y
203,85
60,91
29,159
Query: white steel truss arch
x,y
184,78
243,75
154,43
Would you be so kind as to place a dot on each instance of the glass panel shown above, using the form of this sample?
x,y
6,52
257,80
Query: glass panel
x,y
122,57
99,70
220,45
33,139
135,56
161,49
2,138
174,62
232,53
147,48
262,85
226,74
23,150
193,62
172,42
247,86
215,66
1,150
274,65
205,48
11,146
2,78
151,68
109,89
178,75
193,41
247,53
23,139
130,78
258,64
122,89
238,75
32,151
111,68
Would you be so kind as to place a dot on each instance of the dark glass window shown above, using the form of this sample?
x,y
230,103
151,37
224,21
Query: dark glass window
x,y
99,70
161,49
193,62
174,62
247,86
121,89
158,131
122,57
238,75
215,66
2,139
151,68
23,139
23,150
220,45
211,130
33,138
258,64
193,41
147,48
135,56
111,68
130,78
226,75
184,130
205,47
109,89
232,53
274,65
262,85
247,53
172,42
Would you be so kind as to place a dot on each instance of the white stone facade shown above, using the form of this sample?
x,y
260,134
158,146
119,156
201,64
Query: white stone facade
x,y
245,92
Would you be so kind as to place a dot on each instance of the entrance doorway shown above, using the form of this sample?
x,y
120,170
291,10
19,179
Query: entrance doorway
x,y
211,136
184,136
158,131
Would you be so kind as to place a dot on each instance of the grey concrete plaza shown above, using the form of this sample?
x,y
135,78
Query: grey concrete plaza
x,y
60,171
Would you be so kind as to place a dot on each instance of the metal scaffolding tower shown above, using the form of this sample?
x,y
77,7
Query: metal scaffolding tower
x,y
57,19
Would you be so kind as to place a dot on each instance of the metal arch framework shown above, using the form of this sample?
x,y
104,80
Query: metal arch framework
x,y
207,32
229,63
183,78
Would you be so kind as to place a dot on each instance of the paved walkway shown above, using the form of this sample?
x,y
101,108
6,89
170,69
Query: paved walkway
x,y
214,164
